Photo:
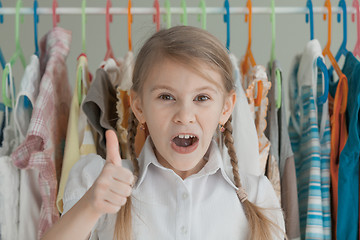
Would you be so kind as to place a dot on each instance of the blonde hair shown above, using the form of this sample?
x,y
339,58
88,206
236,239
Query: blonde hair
x,y
189,46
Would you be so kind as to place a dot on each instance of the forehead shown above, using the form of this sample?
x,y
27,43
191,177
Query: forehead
x,y
176,74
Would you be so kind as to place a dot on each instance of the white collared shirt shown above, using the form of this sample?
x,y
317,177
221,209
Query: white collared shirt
x,y
203,206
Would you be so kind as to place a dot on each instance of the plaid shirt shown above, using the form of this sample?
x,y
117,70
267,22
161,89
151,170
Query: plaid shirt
x,y
44,143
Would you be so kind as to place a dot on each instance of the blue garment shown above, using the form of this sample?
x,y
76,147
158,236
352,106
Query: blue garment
x,y
348,190
309,130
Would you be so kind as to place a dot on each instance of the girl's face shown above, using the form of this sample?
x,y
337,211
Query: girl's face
x,y
182,111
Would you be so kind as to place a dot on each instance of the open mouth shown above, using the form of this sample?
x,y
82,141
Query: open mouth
x,y
185,140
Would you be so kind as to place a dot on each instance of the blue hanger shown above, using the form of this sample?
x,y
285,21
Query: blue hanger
x,y
227,21
342,50
36,21
319,62
2,59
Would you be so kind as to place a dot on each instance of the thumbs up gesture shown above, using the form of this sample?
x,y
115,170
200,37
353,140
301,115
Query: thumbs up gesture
x,y
111,189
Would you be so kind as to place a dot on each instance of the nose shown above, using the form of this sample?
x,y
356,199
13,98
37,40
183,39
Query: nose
x,y
184,114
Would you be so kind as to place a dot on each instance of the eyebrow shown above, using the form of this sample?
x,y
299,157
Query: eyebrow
x,y
163,87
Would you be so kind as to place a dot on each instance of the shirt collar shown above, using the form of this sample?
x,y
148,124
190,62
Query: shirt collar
x,y
213,157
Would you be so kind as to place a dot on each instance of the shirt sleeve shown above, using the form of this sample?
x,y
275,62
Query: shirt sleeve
x,y
82,176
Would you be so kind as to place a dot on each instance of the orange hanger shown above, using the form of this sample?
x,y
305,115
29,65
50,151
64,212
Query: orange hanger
x,y
343,84
109,51
249,55
130,20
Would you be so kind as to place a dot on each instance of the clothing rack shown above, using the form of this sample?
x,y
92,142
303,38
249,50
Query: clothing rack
x,y
175,10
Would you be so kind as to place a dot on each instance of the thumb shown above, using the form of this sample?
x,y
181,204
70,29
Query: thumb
x,y
112,148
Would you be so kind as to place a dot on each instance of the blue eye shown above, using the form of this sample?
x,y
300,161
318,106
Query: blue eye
x,y
166,97
201,98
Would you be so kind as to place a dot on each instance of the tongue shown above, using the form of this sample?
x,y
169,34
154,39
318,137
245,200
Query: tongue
x,y
183,142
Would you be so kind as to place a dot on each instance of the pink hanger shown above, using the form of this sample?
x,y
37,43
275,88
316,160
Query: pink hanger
x,y
56,17
109,51
355,4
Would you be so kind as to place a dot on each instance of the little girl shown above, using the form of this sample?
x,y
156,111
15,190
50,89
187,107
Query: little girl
x,y
182,91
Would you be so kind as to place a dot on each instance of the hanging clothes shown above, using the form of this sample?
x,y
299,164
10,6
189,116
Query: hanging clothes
x,y
348,185
30,196
280,148
309,130
244,131
44,143
9,175
253,76
76,128
100,108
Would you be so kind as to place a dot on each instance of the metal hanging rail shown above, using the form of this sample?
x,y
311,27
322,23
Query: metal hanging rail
x,y
175,10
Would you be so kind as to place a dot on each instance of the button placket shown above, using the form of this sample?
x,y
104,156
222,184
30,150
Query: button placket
x,y
183,211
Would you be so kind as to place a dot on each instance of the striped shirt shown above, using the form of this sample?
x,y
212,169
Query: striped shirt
x,y
309,131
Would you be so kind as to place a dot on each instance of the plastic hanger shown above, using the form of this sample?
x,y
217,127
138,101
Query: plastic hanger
x,y
130,20
249,56
18,54
108,17
156,17
83,23
342,85
342,50
272,58
36,21
356,50
227,21
202,16
319,62
2,59
183,17
56,17
167,16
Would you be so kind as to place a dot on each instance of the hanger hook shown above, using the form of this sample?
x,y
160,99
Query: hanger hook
x,y
273,28
309,5
167,16
202,16
227,21
328,6
342,4
184,15
83,29
1,15
19,18
56,17
108,21
130,20
248,18
36,21
156,17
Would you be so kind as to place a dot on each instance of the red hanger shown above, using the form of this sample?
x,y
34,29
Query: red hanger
x,y
56,17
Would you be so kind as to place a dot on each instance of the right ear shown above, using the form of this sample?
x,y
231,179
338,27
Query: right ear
x,y
136,106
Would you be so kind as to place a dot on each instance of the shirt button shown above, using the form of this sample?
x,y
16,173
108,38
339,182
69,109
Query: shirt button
x,y
185,196
183,230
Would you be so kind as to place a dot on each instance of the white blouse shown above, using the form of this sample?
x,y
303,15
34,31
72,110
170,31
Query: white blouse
x,y
203,206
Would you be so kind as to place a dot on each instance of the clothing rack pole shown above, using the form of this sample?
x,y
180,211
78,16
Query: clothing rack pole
x,y
175,10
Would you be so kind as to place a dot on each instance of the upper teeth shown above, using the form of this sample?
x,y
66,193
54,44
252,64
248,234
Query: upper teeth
x,y
186,136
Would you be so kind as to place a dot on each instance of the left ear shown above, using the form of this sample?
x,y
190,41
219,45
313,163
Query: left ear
x,y
228,108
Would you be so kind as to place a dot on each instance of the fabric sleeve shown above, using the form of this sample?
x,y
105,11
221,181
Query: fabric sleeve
x,y
82,176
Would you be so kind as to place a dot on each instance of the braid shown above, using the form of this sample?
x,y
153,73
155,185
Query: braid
x,y
123,228
261,227
229,143
132,129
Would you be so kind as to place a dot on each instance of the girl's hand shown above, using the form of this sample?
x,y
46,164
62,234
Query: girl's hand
x,y
113,186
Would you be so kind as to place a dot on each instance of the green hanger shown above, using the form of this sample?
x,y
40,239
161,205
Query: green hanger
x,y
273,57
167,16
184,15
18,54
202,17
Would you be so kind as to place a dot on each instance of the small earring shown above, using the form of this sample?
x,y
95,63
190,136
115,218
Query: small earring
x,y
221,127
142,126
